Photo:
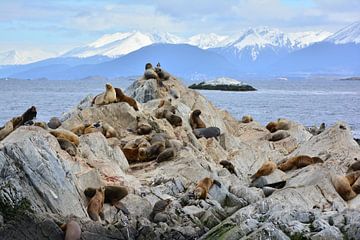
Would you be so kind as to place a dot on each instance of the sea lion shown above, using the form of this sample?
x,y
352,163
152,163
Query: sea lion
x,y
151,74
142,128
174,93
96,203
229,166
279,135
207,132
109,96
299,162
6,130
173,119
67,146
85,128
113,194
280,124
342,187
247,119
30,114
121,97
265,169
108,130
352,177
159,206
203,186
162,74
65,134
154,150
54,123
166,155
354,167
195,120
72,230
356,186
131,151
41,124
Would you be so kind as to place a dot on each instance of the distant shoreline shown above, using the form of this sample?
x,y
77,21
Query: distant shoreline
x,y
350,79
222,87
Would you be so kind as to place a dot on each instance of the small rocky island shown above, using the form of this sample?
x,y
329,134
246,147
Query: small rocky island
x,y
351,79
223,84
161,162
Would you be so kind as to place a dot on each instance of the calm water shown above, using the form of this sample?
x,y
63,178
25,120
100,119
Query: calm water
x,y
306,101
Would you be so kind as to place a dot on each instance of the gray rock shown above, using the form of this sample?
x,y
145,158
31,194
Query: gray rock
x,y
328,233
54,123
193,210
274,177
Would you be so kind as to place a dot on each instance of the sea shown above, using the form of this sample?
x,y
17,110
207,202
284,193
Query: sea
x,y
309,101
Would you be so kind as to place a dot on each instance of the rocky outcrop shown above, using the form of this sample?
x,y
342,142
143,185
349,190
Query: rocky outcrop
x,y
42,186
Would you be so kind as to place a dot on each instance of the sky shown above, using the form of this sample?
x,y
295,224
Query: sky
x,y
55,26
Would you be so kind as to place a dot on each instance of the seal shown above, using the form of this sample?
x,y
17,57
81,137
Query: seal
x,y
203,186
6,129
265,169
162,74
65,134
108,130
229,166
299,162
54,123
142,128
342,187
121,97
96,203
67,146
28,115
280,124
195,120
159,207
173,119
72,230
247,119
279,135
166,155
354,167
109,96
207,132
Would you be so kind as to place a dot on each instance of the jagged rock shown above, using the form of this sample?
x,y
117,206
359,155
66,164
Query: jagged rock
x,y
274,177
193,210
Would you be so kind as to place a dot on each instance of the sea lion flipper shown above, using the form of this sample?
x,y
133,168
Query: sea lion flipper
x,y
120,206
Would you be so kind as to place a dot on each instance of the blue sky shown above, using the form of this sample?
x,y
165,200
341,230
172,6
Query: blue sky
x,y
54,25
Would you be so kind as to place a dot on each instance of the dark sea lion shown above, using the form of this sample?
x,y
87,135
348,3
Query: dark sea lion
x,y
68,146
121,97
173,119
166,155
207,132
229,166
159,207
279,135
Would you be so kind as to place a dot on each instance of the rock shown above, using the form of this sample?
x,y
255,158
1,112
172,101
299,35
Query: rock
x,y
193,210
328,233
274,177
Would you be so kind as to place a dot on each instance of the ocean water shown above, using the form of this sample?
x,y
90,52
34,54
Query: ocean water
x,y
307,101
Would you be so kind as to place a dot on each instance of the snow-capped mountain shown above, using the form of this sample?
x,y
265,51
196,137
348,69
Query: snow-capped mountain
x,y
349,34
118,44
304,39
210,40
22,57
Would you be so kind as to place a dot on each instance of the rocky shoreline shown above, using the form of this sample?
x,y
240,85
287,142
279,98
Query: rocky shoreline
x,y
42,186
222,87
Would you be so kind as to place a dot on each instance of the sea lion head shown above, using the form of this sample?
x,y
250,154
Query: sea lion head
x,y
148,66
108,86
198,192
196,112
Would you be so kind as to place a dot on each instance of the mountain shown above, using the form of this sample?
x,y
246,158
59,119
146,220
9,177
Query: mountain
x,y
349,34
13,57
210,40
180,59
118,44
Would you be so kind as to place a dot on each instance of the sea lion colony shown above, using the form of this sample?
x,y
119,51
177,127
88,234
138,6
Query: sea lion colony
x,y
158,147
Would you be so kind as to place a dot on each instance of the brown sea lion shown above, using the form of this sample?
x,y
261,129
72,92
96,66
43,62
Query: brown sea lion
x,y
247,119
65,134
108,130
72,230
352,177
229,166
67,146
96,203
280,124
173,119
121,97
6,130
265,169
159,206
109,96
142,128
342,187
299,162
203,186
113,194
356,186
41,124
195,120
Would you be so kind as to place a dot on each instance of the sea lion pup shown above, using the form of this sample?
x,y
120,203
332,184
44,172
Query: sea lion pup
x,y
109,96
166,155
113,195
195,120
247,119
72,230
207,132
342,187
265,169
229,166
142,128
67,146
279,135
121,97
280,124
173,119
159,206
107,130
299,162
54,123
96,203
6,129
203,186
65,134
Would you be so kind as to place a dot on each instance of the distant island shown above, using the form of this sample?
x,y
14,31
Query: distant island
x,y
351,79
223,84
